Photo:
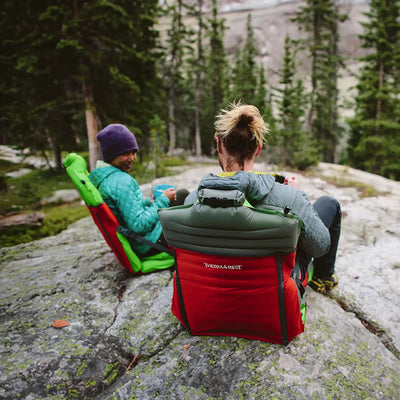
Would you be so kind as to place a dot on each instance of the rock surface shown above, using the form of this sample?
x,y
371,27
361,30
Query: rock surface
x,y
123,341
32,219
22,156
61,196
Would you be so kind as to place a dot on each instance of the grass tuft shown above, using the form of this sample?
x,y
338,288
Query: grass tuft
x,y
363,189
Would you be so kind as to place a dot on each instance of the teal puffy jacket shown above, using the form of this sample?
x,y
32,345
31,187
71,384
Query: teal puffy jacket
x,y
125,198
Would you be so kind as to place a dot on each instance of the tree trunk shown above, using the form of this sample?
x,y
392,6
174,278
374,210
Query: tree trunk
x,y
92,130
56,155
171,119
314,58
379,102
197,132
92,126
55,149
197,135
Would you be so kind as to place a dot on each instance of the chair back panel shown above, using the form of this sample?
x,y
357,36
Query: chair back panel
x,y
233,270
237,296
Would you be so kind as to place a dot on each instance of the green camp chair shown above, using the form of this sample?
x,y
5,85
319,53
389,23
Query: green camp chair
x,y
114,234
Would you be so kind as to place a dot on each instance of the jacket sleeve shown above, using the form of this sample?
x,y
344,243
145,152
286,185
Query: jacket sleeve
x,y
262,191
314,237
137,214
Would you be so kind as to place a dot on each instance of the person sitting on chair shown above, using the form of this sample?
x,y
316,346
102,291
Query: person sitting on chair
x,y
122,193
239,138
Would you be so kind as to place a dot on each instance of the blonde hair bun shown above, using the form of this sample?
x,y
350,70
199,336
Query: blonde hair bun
x,y
241,116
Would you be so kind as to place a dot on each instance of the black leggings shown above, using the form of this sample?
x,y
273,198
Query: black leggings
x,y
330,213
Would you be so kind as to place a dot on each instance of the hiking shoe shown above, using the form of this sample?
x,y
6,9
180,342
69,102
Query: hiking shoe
x,y
322,285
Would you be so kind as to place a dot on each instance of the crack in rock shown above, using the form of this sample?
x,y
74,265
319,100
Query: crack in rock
x,y
370,325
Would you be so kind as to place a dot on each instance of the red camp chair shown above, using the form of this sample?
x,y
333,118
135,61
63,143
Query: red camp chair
x,y
234,268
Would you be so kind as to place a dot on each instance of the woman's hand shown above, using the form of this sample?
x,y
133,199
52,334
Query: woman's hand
x,y
292,182
170,193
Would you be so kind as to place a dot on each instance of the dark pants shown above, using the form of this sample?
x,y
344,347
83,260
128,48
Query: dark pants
x,y
161,240
330,213
181,195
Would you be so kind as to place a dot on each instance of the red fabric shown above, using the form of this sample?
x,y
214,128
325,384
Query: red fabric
x,y
107,223
236,296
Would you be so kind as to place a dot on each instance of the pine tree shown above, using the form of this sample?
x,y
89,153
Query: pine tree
x,y
245,74
179,46
199,72
215,80
75,59
112,47
217,62
32,103
320,19
374,144
261,92
293,145
263,101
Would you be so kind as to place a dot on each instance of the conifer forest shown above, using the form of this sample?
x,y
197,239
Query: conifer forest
x,y
69,68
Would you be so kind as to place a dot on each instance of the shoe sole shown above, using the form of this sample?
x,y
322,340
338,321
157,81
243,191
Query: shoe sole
x,y
330,285
324,286
318,287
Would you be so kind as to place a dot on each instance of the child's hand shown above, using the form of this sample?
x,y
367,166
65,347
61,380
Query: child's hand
x,y
170,193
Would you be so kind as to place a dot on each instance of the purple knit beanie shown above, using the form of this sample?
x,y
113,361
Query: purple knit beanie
x,y
116,139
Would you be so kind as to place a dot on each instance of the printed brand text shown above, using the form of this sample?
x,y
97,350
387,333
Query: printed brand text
x,y
223,266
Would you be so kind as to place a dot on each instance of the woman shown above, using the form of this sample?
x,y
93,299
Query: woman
x,y
122,193
239,137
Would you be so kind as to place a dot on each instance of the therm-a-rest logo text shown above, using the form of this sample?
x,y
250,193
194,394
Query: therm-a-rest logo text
x,y
223,266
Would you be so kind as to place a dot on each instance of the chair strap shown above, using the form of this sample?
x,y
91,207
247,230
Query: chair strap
x,y
281,301
132,235
180,297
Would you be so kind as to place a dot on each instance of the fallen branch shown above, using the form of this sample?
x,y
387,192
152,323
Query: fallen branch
x,y
136,358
